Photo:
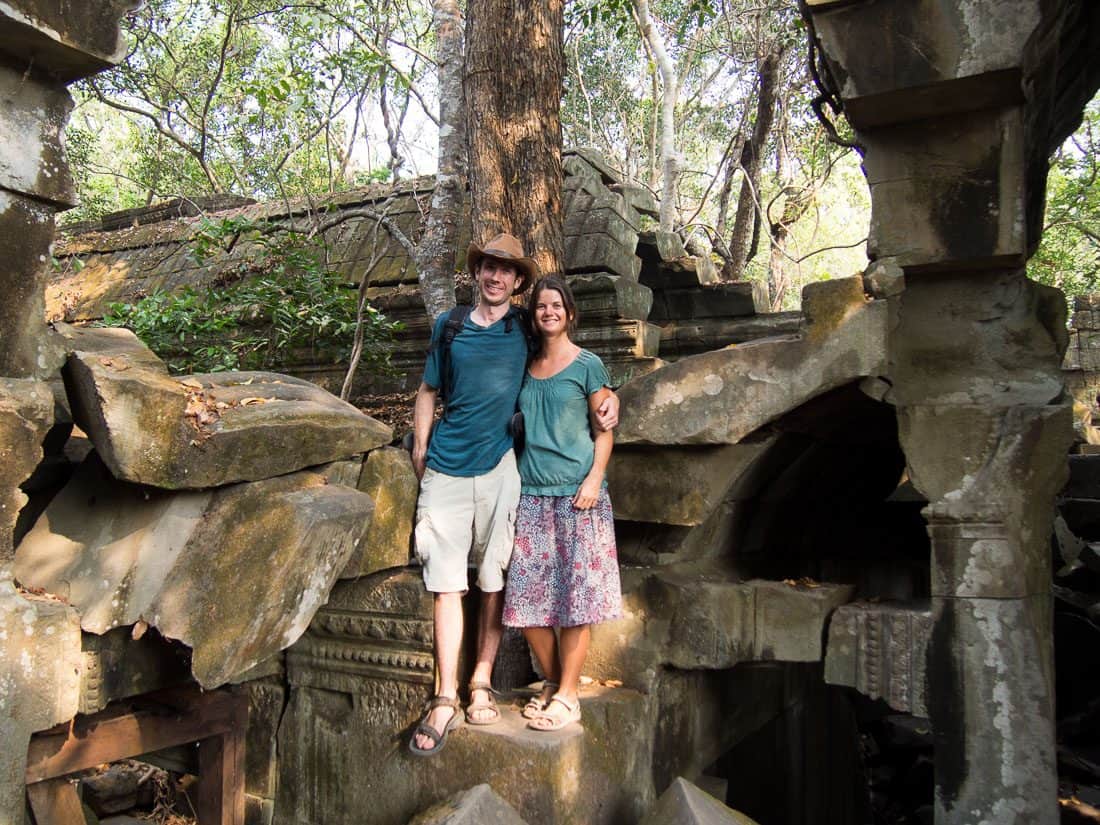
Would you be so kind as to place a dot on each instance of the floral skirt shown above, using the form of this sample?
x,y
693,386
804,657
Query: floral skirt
x,y
564,570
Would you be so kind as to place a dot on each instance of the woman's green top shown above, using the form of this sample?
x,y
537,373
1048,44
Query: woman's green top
x,y
559,447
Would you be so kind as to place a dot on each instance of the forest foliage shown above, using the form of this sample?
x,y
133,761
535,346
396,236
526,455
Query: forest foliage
x,y
277,98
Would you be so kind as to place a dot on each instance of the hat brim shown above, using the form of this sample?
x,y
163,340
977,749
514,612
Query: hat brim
x,y
527,268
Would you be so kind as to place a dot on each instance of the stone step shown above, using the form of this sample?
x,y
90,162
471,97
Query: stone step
x,y
680,339
580,774
685,804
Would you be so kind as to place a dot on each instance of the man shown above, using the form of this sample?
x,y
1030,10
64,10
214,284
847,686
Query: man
x,y
469,483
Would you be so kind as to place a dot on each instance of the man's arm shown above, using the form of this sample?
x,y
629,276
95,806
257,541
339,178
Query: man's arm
x,y
607,414
423,415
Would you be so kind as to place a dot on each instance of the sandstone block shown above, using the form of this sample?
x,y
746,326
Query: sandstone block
x,y
881,650
601,253
884,279
677,485
729,300
955,193
39,680
957,56
680,339
109,342
116,666
596,159
478,806
387,477
208,430
34,162
26,415
685,804
638,197
720,397
670,246
602,296
620,339
235,573
26,232
63,41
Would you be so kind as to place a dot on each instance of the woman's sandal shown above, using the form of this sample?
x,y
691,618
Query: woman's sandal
x,y
536,704
548,720
438,739
489,704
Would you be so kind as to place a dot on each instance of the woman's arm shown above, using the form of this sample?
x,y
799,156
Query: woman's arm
x,y
589,491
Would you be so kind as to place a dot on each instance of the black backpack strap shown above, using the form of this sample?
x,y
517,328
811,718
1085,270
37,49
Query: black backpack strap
x,y
456,319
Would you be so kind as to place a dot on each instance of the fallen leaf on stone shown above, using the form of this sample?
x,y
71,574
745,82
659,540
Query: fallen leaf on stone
x,y
247,401
246,383
804,582
191,382
612,683
140,626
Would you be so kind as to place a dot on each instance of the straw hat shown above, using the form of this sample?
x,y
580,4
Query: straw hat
x,y
507,248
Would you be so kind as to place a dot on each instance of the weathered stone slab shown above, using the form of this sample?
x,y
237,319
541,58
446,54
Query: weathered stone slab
x,y
677,485
580,775
373,639
32,161
116,666
208,430
236,574
39,680
881,650
952,57
26,415
478,806
720,397
387,477
601,296
680,339
685,804
699,615
26,231
600,253
596,159
630,339
927,184
729,300
638,197
109,342
67,40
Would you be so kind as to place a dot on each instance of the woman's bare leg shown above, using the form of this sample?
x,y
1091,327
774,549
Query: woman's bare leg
x,y
544,644
574,649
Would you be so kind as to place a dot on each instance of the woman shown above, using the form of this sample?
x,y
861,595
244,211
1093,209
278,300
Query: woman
x,y
564,571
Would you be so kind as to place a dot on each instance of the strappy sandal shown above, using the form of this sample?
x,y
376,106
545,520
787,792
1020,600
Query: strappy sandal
x,y
438,739
489,704
535,705
549,721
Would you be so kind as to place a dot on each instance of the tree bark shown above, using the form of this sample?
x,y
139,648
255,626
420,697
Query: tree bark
x,y
670,91
514,65
745,220
435,254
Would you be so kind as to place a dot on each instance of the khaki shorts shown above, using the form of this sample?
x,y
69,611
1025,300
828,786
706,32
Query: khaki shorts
x,y
457,515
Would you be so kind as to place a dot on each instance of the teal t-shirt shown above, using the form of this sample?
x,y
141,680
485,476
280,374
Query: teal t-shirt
x,y
559,448
487,366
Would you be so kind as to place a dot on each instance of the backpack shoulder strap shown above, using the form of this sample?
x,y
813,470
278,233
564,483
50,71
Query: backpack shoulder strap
x,y
456,319
523,318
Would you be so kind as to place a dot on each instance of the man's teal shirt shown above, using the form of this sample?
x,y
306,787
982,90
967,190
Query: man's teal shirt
x,y
487,366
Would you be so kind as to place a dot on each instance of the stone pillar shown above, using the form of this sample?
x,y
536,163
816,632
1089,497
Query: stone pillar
x,y
956,108
44,44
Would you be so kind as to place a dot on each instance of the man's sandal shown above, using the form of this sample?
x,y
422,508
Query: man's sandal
x,y
438,739
550,720
536,704
489,704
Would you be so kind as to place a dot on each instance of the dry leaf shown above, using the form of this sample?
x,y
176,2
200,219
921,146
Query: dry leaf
x,y
191,382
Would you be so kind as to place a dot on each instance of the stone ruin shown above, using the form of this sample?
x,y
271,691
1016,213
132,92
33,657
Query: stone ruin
x,y
850,517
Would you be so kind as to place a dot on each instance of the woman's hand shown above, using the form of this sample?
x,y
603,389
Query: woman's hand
x,y
589,492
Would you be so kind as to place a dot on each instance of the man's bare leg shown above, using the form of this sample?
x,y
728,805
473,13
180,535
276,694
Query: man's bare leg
x,y
489,631
448,643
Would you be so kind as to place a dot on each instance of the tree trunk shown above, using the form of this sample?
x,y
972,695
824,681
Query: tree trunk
x,y
514,64
435,254
744,222
670,157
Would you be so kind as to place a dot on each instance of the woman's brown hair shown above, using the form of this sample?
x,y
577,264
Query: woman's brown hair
x,y
562,288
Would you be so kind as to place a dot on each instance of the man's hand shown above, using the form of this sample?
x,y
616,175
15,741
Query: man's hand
x,y
419,460
607,414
